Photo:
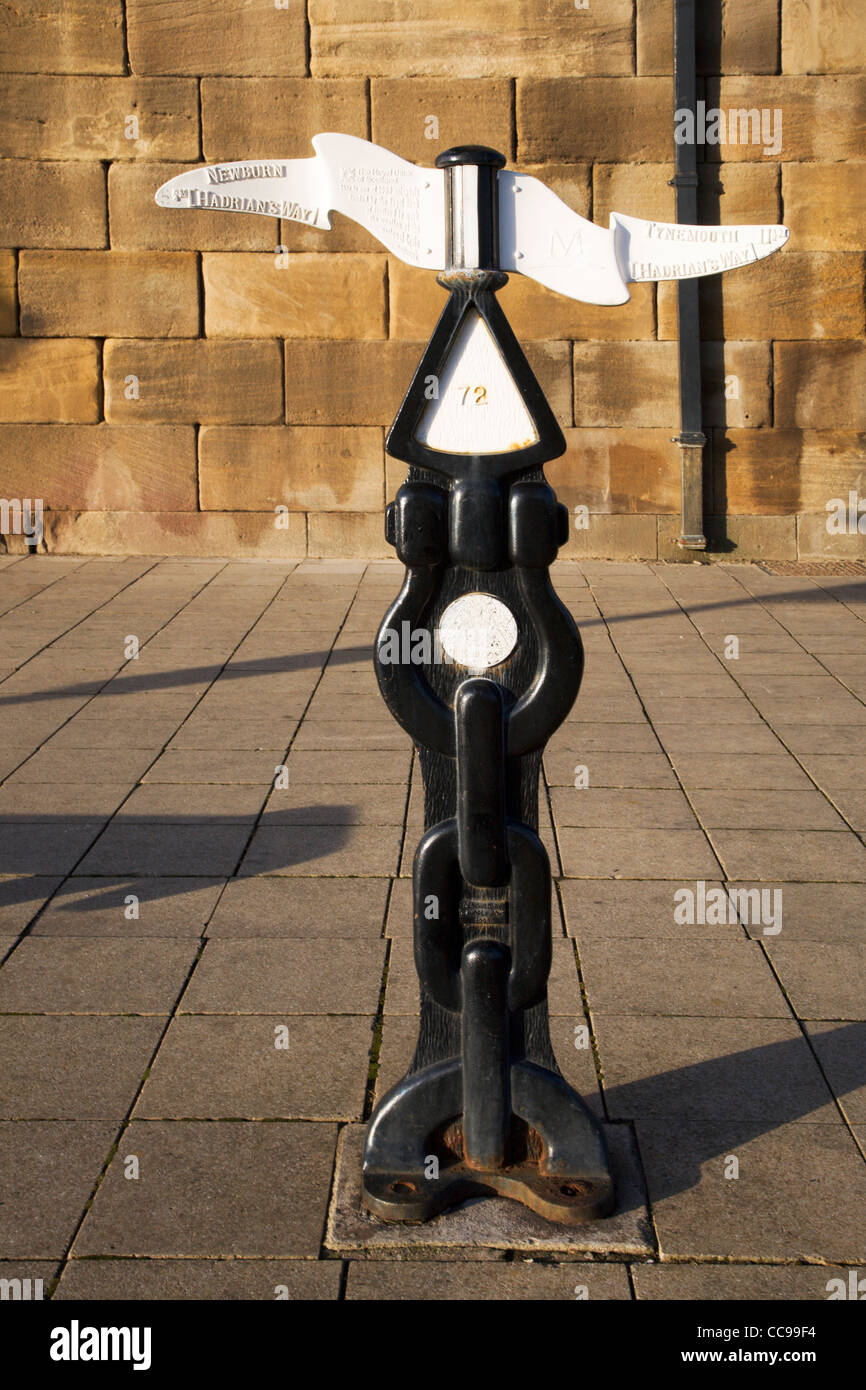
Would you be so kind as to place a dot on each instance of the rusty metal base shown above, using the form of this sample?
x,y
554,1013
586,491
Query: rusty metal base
x,y
555,1158
412,1197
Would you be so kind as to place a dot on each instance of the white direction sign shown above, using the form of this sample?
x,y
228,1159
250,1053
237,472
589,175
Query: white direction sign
x,y
403,205
400,203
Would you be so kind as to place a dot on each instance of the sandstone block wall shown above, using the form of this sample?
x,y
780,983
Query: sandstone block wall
x,y
171,383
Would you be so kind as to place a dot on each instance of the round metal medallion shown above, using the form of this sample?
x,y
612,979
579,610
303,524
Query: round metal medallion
x,y
478,631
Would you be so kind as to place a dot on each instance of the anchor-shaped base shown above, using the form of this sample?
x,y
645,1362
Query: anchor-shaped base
x,y
484,1123
556,1161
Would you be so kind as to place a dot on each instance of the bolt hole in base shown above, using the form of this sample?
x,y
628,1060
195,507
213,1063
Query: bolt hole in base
x,y
402,1189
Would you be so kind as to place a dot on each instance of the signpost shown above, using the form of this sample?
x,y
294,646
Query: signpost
x,y
493,660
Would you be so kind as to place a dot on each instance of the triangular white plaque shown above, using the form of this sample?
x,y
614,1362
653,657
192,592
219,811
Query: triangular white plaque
x,y
478,409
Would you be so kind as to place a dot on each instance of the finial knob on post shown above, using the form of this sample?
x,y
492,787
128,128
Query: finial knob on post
x,y
471,206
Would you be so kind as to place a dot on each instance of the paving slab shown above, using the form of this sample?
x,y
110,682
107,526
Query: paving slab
x,y
480,1229
726,1283
292,976
629,908
260,1067
150,735
221,766
43,848
831,856
415,814
571,1038
705,979
301,907
76,801
583,738
800,1194
117,702
48,1170
695,712
208,1188
705,1068
399,1035
400,920
253,708
166,804
55,766
27,1280
800,691
663,686
644,661
21,897
226,1280
369,767
841,710
495,1280
744,775
610,769
851,805
34,704
625,808
367,851
329,707
752,661
760,640
12,756
824,736
311,805
207,732
841,1052
765,810
722,739
131,908
814,911
605,705
638,854
80,976
346,683
823,979
63,1068
402,993
563,985
319,734
157,848
837,771
829,705
840,643
638,628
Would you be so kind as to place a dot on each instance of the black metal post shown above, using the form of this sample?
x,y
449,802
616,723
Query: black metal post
x,y
484,1107
691,438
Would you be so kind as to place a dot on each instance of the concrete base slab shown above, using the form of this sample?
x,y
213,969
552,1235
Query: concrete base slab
x,y
482,1228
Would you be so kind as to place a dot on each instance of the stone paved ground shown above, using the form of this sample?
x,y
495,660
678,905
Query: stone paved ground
x,y
170,918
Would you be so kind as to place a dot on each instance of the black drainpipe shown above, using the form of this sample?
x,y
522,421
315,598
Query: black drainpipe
x,y
691,438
